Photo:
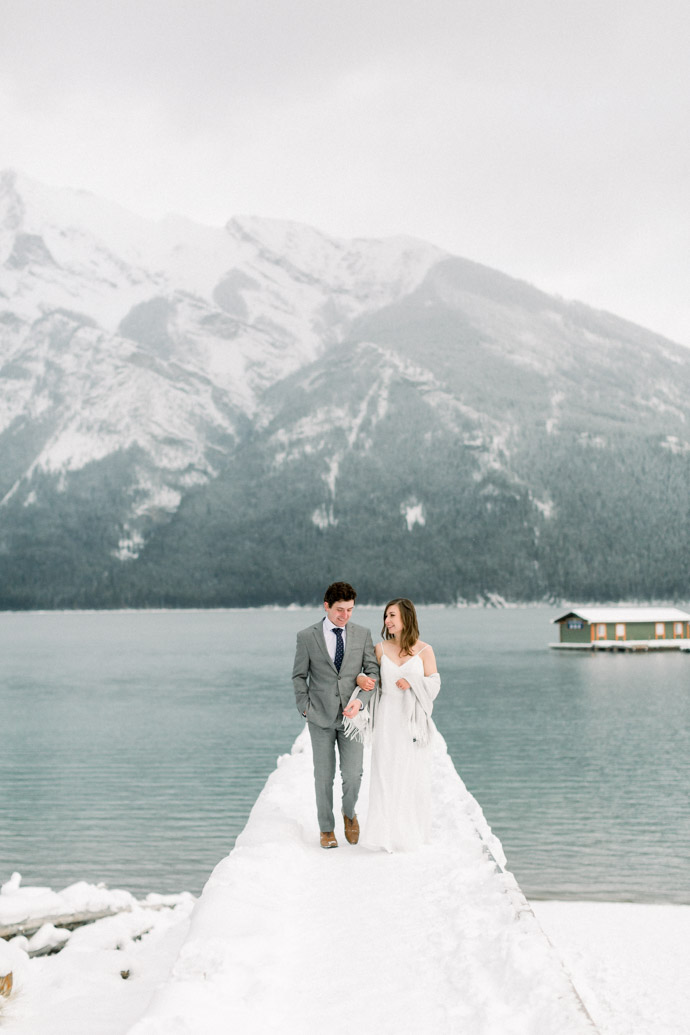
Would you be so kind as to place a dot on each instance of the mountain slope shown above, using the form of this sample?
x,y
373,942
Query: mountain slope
x,y
192,416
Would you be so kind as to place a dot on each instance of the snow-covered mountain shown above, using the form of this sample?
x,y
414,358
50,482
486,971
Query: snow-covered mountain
x,y
230,415
122,335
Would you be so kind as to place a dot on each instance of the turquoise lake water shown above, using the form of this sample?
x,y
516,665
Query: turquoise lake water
x,y
134,744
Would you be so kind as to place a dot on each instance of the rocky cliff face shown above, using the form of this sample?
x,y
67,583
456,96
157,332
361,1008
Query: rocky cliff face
x,y
198,416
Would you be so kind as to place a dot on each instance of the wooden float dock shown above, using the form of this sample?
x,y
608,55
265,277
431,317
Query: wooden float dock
x,y
626,646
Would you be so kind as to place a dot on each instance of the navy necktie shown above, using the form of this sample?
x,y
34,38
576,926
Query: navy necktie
x,y
339,648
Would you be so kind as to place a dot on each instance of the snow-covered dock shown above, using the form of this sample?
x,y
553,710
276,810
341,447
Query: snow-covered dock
x,y
286,936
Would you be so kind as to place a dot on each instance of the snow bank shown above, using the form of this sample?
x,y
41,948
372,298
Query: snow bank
x,y
104,977
286,936
630,962
18,903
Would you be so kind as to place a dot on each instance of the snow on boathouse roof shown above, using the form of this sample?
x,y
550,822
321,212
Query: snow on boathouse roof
x,y
626,614
287,937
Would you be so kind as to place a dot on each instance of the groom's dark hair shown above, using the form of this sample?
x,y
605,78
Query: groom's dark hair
x,y
339,591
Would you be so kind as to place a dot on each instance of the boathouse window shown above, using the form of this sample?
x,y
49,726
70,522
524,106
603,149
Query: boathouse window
x,y
601,631
677,629
660,629
572,624
620,630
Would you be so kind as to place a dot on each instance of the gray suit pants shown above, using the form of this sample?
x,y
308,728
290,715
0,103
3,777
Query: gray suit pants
x,y
351,752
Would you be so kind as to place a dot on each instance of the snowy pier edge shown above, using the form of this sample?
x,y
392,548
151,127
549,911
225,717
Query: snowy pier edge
x,y
441,940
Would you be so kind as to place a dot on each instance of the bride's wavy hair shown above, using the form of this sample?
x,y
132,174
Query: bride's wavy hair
x,y
410,629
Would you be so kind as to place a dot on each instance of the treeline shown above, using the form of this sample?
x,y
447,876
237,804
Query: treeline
x,y
618,528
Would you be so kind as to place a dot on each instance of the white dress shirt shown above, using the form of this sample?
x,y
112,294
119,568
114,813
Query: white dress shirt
x,y
330,637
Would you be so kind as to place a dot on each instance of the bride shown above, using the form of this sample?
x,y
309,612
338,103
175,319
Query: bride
x,y
399,816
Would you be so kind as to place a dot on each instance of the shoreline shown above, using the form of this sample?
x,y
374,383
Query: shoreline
x,y
461,606
498,604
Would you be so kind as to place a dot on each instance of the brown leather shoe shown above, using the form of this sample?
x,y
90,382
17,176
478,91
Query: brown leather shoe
x,y
328,839
351,829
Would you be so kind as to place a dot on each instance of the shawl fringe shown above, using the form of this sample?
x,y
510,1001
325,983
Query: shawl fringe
x,y
359,726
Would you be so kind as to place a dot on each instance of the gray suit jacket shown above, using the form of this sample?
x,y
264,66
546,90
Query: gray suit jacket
x,y
320,690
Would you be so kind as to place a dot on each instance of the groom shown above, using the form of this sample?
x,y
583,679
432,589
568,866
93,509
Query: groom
x,y
331,658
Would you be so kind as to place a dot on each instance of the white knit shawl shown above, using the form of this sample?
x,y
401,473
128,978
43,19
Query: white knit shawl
x,y
419,702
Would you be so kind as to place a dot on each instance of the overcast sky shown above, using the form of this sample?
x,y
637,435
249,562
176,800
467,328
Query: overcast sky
x,y
546,138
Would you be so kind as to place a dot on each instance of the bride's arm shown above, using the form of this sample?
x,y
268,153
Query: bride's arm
x,y
429,659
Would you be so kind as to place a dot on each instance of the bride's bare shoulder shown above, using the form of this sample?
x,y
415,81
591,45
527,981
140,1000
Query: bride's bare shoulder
x,y
429,659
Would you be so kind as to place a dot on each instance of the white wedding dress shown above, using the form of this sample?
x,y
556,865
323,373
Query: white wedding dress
x,y
399,817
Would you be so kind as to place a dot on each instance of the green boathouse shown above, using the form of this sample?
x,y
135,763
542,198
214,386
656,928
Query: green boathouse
x,y
624,628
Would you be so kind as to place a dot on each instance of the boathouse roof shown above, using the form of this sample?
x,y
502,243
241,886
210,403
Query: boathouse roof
x,y
626,614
